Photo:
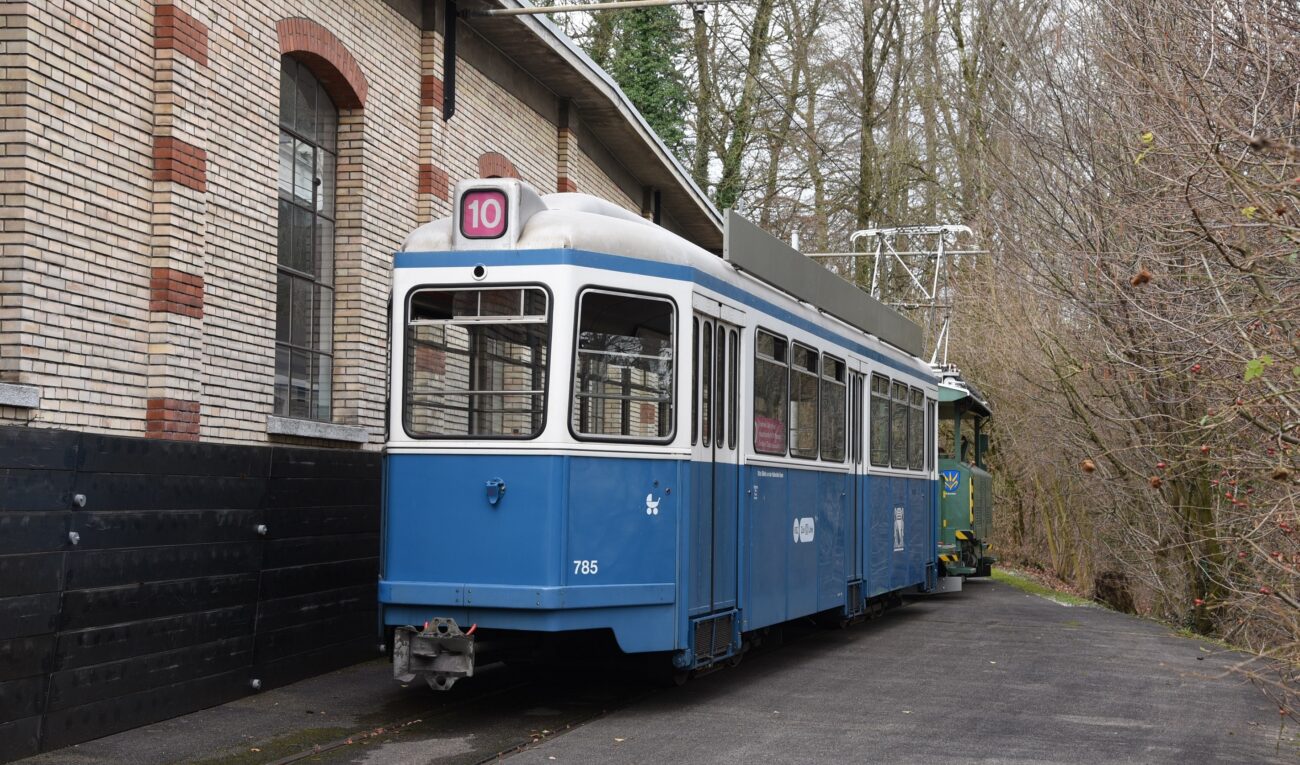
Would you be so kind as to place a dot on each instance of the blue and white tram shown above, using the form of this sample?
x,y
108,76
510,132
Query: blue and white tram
x,y
599,428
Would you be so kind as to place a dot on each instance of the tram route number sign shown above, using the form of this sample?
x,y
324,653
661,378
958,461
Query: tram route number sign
x,y
484,214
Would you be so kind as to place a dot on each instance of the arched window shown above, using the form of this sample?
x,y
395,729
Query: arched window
x,y
305,251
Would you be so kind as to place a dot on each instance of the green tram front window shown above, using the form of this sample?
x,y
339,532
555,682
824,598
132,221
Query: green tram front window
x,y
476,362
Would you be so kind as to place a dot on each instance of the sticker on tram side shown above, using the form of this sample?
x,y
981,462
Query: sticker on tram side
x,y
951,480
898,530
652,504
804,529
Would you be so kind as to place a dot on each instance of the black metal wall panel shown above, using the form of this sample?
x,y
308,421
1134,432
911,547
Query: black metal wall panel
x,y
33,532
26,615
19,738
25,656
98,645
188,571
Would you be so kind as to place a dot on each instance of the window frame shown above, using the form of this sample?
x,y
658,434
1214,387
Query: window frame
x,y
896,403
816,375
319,323
674,342
704,362
721,405
916,440
695,379
930,435
546,371
733,388
871,395
785,399
843,384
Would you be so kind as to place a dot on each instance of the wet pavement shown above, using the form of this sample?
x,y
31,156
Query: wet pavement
x,y
991,675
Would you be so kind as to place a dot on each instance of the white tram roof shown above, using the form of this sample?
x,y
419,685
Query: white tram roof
x,y
583,222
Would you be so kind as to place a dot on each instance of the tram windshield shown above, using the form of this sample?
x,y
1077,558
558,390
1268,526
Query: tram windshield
x,y
476,362
623,367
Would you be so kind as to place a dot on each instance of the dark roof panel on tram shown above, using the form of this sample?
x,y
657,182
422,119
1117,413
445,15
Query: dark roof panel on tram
x,y
753,250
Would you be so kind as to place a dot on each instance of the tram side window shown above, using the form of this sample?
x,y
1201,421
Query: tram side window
x,y
771,381
476,363
623,369
705,364
834,396
916,428
695,379
803,403
898,428
929,435
722,406
879,421
733,427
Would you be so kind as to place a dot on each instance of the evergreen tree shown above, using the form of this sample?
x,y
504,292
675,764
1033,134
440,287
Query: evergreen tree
x,y
645,63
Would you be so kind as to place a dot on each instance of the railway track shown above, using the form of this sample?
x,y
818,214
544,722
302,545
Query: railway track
x,y
504,712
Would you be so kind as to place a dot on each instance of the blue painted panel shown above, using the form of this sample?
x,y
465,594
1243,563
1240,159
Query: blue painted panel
x,y
541,598
637,629
441,528
726,503
701,538
768,538
449,552
623,514
801,563
787,575
832,539
889,569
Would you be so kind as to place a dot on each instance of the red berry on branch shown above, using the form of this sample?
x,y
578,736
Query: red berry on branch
x,y
1199,602
1161,465
1196,368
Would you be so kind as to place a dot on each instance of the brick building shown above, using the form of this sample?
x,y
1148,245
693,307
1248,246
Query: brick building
x,y
201,199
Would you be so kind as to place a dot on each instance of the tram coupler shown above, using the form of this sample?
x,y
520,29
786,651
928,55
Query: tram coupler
x,y
440,652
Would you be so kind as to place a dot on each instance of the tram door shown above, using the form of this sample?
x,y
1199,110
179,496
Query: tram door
x,y
715,463
857,450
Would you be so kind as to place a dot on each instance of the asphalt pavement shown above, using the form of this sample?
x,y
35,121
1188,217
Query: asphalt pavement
x,y
990,675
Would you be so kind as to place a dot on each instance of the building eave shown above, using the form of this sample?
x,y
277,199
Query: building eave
x,y
556,61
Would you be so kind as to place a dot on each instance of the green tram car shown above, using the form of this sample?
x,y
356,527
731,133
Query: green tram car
x,y
965,486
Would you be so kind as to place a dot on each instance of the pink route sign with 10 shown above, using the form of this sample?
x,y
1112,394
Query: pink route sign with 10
x,y
483,214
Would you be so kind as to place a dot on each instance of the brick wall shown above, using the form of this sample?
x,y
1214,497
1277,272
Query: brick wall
x,y
75,281
138,252
590,179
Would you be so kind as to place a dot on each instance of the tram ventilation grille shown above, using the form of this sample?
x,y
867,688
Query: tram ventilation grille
x,y
713,638
855,602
